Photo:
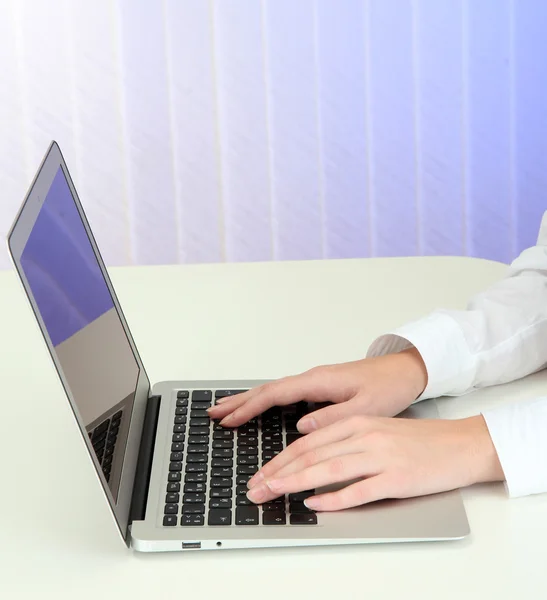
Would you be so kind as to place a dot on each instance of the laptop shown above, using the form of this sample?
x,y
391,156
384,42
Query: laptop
x,y
172,478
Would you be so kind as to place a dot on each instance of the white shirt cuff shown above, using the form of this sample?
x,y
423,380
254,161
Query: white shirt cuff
x,y
519,434
443,348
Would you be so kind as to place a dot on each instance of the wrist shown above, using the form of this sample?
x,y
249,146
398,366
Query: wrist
x,y
413,365
484,463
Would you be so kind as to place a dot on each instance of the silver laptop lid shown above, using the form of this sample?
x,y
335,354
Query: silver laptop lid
x,y
67,284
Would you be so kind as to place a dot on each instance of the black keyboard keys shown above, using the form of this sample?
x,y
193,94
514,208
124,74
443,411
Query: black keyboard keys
x,y
170,520
202,395
220,516
247,515
190,520
308,518
272,517
225,393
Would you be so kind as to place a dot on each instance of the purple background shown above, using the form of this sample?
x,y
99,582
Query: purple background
x,y
59,264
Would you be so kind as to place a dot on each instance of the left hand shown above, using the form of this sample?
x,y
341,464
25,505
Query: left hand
x,y
392,458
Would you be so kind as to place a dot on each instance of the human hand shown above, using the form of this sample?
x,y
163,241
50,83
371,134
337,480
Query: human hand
x,y
381,386
392,458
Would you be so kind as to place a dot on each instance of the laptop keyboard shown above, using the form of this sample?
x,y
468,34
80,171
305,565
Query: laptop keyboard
x,y
103,439
210,466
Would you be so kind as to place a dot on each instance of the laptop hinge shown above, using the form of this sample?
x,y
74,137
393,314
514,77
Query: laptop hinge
x,y
144,460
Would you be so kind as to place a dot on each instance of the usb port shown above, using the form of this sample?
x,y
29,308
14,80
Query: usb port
x,y
190,545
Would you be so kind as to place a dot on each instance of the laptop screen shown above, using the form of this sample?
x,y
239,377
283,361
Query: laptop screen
x,y
83,325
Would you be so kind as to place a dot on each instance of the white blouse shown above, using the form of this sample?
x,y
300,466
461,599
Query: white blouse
x,y
500,337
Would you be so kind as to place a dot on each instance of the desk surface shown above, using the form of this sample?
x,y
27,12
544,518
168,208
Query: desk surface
x,y
244,321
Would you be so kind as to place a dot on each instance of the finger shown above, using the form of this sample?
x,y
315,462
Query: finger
x,y
374,488
335,433
333,470
351,445
277,393
219,411
327,416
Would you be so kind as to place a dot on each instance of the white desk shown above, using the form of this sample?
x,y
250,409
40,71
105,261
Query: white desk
x,y
57,539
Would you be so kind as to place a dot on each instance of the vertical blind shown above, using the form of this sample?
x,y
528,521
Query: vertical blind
x,y
231,130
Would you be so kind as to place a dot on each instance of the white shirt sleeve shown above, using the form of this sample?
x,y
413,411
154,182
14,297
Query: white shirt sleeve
x,y
502,336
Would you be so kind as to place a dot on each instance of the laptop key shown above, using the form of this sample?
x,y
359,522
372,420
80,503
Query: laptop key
x,y
223,453
272,447
220,503
183,394
170,520
274,518
222,472
173,487
219,516
228,443
182,403
179,429
198,431
247,515
195,468
201,395
247,469
176,456
172,498
269,506
242,479
178,437
180,420
241,489
247,460
221,482
193,499
194,488
193,509
177,447
175,466
252,440
301,496
200,405
195,478
197,458
247,451
171,509
173,476
304,519
220,493
225,434
198,413
224,393
298,507
243,501
181,410
222,462
197,448
191,520
198,439
200,422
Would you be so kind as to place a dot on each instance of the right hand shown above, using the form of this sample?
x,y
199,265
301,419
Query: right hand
x,y
381,386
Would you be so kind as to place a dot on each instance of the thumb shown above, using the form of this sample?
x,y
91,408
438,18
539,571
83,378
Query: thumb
x,y
327,416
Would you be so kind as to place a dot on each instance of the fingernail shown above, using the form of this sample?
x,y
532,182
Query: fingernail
x,y
227,419
309,424
222,400
311,503
274,485
257,494
255,479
